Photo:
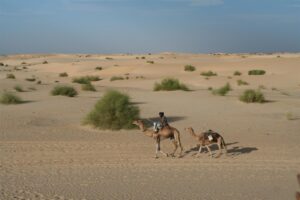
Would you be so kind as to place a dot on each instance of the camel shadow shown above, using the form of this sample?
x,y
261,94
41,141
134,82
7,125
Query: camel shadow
x,y
234,151
170,119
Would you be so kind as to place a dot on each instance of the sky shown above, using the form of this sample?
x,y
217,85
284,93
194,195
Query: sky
x,y
149,26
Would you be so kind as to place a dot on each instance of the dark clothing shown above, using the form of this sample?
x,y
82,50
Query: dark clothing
x,y
163,122
214,135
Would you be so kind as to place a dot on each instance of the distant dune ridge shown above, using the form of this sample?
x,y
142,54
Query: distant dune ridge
x,y
46,152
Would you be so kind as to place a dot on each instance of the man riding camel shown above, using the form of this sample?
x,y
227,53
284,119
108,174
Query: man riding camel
x,y
163,122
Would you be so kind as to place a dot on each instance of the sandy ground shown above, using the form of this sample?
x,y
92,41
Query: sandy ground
x,y
45,152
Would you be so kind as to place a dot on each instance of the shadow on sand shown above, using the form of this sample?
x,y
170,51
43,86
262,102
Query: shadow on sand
x,y
234,151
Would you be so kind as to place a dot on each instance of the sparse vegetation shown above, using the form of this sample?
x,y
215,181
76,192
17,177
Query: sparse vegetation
x,y
241,82
10,76
45,62
237,73
116,78
30,79
39,82
210,88
143,57
291,116
189,68
113,111
209,73
64,91
85,79
222,91
10,98
98,68
256,72
252,96
88,87
63,74
1,64
109,58
150,62
170,84
18,88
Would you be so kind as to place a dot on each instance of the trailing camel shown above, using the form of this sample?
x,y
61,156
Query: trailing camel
x,y
167,132
208,138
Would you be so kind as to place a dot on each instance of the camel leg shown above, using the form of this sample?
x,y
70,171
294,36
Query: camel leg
x,y
220,147
175,147
200,149
159,150
209,151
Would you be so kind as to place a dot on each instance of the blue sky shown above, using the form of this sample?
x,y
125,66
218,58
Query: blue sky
x,y
142,26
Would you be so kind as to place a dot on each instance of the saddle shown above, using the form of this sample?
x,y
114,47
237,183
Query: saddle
x,y
211,135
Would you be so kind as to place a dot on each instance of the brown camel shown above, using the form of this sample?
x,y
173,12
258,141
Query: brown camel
x,y
167,132
298,193
203,140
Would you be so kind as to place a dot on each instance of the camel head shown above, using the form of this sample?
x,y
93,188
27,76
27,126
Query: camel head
x,y
189,129
137,122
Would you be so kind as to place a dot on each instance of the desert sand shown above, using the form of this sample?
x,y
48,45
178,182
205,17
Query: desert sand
x,y
46,152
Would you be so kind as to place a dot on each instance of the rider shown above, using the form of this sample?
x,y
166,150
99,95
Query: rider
x,y
163,120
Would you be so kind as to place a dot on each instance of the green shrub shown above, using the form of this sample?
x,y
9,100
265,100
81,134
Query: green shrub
x,y
256,72
88,87
115,78
241,82
169,84
252,96
98,68
30,79
63,74
18,88
64,91
10,98
85,79
113,111
10,76
209,73
189,68
150,62
222,91
237,73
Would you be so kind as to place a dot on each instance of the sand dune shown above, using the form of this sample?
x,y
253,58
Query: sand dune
x,y
45,152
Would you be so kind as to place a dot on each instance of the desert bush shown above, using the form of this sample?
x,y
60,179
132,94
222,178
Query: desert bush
x,y
143,57
39,82
209,73
256,72
88,87
10,98
1,64
30,79
241,82
222,91
150,62
64,91
113,111
210,88
85,79
189,68
109,58
63,74
169,84
10,76
45,62
98,68
237,73
18,88
252,96
115,78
